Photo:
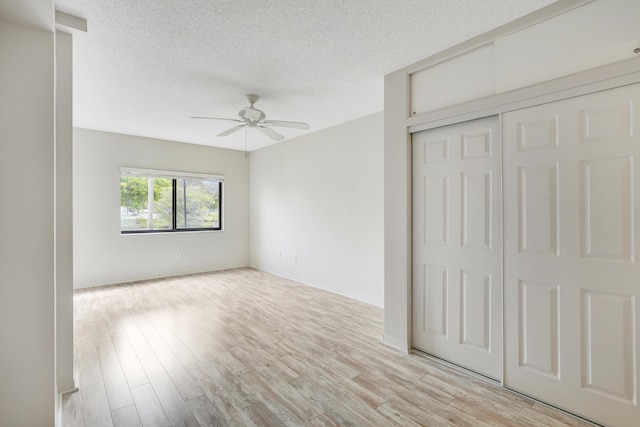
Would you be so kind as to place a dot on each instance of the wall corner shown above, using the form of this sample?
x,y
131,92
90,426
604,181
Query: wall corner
x,y
397,211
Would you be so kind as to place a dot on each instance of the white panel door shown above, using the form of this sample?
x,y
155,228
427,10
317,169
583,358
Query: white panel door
x,y
572,279
457,245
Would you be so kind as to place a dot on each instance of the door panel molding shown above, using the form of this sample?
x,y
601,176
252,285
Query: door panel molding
x,y
457,245
571,327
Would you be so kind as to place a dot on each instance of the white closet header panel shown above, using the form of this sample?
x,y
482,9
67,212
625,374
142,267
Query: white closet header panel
x,y
599,33
463,78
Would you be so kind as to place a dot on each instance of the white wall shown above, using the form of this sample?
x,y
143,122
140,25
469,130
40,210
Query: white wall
x,y
27,348
596,34
63,217
320,197
397,212
103,256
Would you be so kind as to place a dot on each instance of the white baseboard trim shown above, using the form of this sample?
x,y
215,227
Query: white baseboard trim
x,y
315,285
71,388
396,344
162,276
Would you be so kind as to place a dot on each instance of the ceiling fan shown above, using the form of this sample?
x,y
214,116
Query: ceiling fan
x,y
252,117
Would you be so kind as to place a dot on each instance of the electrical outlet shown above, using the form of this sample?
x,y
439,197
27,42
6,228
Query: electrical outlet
x,y
178,254
295,257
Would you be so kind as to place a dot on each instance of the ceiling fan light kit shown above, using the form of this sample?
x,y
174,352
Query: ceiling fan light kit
x,y
255,118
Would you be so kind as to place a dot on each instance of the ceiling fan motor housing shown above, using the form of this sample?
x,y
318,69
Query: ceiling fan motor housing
x,y
252,115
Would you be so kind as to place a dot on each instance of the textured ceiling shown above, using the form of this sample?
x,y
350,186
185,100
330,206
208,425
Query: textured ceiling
x,y
145,66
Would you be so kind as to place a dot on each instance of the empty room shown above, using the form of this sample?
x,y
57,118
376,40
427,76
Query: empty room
x,y
361,213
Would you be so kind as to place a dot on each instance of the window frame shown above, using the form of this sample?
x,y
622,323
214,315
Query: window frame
x,y
175,176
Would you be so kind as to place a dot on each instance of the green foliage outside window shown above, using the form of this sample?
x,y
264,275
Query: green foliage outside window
x,y
197,204
147,204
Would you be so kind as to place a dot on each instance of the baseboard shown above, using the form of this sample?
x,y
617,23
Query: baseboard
x,y
163,276
72,390
396,344
316,285
69,388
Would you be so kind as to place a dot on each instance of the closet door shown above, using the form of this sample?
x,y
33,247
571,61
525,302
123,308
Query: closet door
x,y
457,245
572,279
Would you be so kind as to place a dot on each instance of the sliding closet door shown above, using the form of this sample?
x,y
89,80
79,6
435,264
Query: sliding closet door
x,y
572,279
457,245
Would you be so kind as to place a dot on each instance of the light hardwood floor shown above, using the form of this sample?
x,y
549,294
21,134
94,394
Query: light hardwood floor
x,y
243,348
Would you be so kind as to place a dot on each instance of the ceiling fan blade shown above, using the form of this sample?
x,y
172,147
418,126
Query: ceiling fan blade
x,y
217,118
286,124
270,133
231,130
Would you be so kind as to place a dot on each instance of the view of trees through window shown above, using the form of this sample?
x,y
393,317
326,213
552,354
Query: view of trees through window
x,y
165,204
197,204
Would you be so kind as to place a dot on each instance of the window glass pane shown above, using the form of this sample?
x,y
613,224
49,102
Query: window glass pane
x,y
197,203
145,203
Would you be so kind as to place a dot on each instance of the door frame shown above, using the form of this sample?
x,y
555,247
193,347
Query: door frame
x,y
600,79
623,73
399,127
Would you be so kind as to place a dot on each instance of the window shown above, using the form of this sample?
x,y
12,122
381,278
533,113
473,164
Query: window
x,y
164,201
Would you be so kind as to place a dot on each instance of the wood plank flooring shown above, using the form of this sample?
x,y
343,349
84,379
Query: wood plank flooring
x,y
245,348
